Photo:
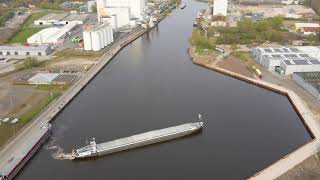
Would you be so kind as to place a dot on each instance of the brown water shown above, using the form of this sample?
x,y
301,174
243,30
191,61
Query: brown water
x,y
152,84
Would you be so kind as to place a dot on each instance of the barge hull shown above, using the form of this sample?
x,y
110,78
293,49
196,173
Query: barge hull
x,y
139,140
142,143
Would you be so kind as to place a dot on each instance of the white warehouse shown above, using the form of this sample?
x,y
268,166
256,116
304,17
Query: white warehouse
x,y
123,10
98,37
288,59
51,35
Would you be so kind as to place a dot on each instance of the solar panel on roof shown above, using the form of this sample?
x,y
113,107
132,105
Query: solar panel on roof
x,y
294,49
278,50
267,50
304,55
315,61
258,50
285,50
287,62
276,55
300,62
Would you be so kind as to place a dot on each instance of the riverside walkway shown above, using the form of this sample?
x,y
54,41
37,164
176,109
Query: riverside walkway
x,y
15,148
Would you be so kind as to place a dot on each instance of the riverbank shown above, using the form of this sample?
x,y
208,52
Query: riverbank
x,y
29,132
308,118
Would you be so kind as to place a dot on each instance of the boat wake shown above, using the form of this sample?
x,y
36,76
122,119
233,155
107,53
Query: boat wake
x,y
57,152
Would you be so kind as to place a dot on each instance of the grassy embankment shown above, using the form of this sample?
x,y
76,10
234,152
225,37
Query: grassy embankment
x,y
77,53
27,29
8,130
202,44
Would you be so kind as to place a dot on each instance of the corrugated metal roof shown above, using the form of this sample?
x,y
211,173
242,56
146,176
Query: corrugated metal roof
x,y
53,16
43,78
23,48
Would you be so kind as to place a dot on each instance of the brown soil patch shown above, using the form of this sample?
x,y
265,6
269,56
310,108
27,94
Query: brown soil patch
x,y
236,66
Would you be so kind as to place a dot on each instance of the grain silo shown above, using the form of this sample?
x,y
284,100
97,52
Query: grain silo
x,y
105,37
110,34
97,37
96,44
87,40
99,30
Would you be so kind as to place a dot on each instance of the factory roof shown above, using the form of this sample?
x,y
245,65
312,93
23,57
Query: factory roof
x,y
42,78
311,29
75,17
307,25
53,16
290,50
23,48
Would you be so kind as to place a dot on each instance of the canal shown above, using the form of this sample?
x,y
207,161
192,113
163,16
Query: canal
x,y
152,84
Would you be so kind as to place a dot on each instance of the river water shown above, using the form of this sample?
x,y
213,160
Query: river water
x,y
152,84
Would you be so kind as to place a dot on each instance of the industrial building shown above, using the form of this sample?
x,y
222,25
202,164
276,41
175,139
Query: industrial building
x,y
61,19
52,35
287,60
310,81
50,19
307,31
25,50
120,12
97,37
220,7
299,26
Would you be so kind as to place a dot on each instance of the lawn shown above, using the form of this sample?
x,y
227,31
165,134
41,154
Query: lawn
x,y
23,34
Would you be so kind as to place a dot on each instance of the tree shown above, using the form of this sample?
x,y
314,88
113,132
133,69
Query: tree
x,y
94,8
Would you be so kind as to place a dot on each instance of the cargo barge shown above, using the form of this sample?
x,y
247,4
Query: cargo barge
x,y
94,149
15,163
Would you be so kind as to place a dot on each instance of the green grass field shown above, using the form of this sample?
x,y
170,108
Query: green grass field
x,y
201,50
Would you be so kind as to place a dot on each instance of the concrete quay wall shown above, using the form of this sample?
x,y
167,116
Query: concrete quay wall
x,y
294,158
